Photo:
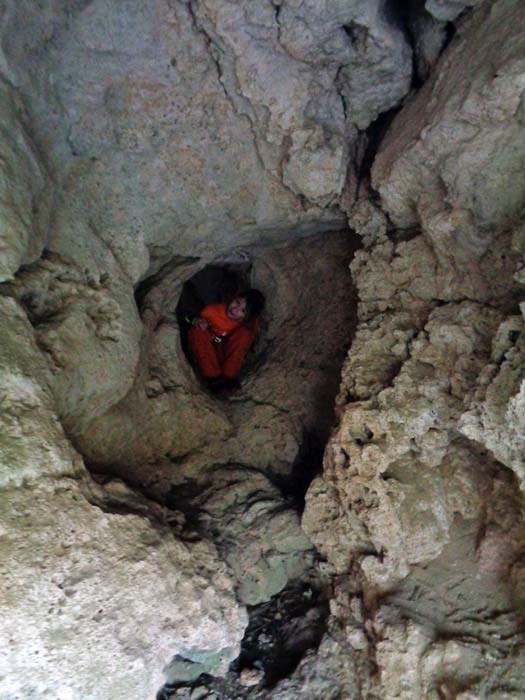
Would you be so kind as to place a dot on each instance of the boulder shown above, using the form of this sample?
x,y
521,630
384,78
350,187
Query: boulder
x,y
84,589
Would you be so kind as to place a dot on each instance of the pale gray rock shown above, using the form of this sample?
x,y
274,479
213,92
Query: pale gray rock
x,y
312,318
33,443
151,149
362,40
84,589
416,506
25,188
471,606
88,329
199,125
428,35
452,168
452,159
448,10
91,590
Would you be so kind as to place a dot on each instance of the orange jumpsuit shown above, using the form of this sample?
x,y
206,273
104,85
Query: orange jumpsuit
x,y
220,349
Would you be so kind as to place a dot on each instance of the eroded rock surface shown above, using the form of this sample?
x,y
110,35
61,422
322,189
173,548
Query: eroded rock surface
x,y
89,331
173,133
25,190
195,125
422,469
87,589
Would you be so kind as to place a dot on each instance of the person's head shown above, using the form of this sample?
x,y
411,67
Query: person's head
x,y
246,305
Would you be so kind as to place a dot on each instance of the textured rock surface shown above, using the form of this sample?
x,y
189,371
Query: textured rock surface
x,y
87,590
452,160
198,126
24,188
418,501
428,36
256,531
447,10
89,331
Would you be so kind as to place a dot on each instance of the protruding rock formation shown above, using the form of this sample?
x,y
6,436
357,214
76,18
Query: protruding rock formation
x,y
87,590
418,498
24,188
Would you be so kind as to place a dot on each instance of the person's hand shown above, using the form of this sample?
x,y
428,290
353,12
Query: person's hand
x,y
202,323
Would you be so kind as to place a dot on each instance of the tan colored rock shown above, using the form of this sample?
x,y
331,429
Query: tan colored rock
x,y
496,419
250,677
88,330
452,159
383,460
426,523
83,589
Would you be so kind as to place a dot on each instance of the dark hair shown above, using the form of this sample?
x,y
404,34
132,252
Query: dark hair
x,y
255,302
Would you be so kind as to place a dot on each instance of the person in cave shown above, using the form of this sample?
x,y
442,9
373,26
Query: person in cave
x,y
222,335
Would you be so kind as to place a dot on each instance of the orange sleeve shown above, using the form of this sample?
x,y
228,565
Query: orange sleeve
x,y
207,313
215,314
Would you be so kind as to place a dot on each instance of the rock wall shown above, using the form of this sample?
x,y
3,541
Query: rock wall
x,y
188,127
25,190
134,122
420,498
89,589
223,461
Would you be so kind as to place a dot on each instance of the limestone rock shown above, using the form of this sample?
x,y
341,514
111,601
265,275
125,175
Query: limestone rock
x,y
448,10
83,589
25,188
216,457
258,536
416,505
124,105
166,126
92,590
174,132
33,444
78,322
497,418
403,430
451,161
331,672
429,35
451,167
312,320
469,604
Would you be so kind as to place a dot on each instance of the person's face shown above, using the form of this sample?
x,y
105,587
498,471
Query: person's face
x,y
236,310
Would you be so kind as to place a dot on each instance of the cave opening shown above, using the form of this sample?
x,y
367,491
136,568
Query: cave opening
x,y
288,399
218,282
